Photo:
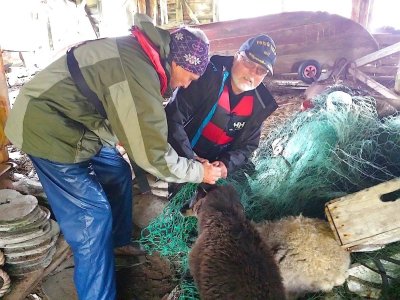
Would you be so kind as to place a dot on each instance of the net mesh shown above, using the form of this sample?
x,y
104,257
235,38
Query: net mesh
x,y
171,234
188,290
338,147
321,154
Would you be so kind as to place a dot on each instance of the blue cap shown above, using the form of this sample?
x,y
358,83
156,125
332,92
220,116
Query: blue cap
x,y
260,49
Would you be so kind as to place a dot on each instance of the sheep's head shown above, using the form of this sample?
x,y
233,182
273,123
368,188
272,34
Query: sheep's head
x,y
220,198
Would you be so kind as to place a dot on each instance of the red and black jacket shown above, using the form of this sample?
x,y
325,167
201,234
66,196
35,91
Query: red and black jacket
x,y
189,107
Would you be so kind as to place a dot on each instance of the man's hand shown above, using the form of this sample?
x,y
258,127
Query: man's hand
x,y
224,170
200,159
211,173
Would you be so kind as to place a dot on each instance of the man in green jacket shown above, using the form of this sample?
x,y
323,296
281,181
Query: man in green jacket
x,y
71,139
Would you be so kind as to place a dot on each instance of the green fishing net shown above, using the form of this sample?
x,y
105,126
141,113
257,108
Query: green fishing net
x,y
338,147
188,290
171,234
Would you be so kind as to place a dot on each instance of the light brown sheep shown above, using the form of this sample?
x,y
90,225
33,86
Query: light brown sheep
x,y
309,258
229,260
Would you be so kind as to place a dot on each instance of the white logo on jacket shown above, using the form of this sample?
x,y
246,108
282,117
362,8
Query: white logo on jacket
x,y
238,125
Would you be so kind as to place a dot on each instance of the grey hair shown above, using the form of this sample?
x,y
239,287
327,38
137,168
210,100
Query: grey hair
x,y
198,33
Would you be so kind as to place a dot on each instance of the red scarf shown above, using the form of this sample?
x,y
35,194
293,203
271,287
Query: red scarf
x,y
151,52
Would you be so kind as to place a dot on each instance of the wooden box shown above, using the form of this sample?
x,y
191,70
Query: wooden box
x,y
368,219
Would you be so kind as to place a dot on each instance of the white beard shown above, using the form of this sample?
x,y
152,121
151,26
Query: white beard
x,y
244,85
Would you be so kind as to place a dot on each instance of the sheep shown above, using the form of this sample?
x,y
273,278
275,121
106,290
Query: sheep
x,y
229,260
309,258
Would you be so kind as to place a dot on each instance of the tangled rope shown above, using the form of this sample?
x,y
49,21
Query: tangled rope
x,y
2,259
6,282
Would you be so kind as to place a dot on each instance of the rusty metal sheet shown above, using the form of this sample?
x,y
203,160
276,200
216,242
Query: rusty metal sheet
x,y
23,258
14,208
38,245
32,253
24,270
7,193
35,242
22,237
41,221
28,261
14,226
8,234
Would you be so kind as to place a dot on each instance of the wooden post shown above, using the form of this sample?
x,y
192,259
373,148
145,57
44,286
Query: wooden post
x,y
163,12
153,8
178,12
191,14
215,10
4,109
141,6
370,13
360,11
397,80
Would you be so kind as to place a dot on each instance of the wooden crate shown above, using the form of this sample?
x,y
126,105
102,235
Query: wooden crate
x,y
367,219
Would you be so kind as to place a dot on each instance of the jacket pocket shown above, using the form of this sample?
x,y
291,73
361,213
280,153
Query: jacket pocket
x,y
88,145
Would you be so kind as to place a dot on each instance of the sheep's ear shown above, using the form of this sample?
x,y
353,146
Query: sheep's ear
x,y
202,191
188,213
197,206
187,209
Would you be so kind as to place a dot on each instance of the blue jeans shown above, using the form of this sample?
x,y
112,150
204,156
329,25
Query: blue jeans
x,y
92,202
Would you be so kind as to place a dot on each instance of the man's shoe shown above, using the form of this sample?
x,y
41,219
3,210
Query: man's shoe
x,y
129,250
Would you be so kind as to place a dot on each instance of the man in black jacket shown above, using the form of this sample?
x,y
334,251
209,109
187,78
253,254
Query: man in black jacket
x,y
218,117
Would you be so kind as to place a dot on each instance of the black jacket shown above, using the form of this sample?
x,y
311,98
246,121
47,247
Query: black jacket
x,y
188,108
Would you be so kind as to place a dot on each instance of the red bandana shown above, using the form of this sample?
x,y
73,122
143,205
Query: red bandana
x,y
153,55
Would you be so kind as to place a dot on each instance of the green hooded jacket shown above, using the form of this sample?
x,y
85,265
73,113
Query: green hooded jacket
x,y
51,119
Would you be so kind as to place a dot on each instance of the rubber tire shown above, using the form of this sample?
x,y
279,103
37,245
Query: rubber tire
x,y
305,66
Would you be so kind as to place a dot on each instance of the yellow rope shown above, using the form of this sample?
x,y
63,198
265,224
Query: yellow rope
x,y
1,259
6,283
5,278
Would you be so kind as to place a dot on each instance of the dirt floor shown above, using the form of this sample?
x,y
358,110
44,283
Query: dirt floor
x,y
23,165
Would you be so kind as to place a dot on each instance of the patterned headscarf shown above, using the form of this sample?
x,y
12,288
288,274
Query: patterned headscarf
x,y
189,51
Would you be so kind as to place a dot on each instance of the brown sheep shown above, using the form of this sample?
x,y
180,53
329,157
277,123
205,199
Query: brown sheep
x,y
229,260
309,258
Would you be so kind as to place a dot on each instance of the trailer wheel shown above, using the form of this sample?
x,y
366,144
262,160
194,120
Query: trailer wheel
x,y
309,71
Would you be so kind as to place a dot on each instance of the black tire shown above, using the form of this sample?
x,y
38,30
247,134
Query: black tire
x,y
309,71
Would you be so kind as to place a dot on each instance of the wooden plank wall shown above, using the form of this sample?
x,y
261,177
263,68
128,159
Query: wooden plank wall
x,y
190,12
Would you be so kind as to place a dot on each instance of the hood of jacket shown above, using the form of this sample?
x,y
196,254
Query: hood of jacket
x,y
160,37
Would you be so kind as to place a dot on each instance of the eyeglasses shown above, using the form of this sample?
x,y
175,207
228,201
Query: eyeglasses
x,y
259,70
